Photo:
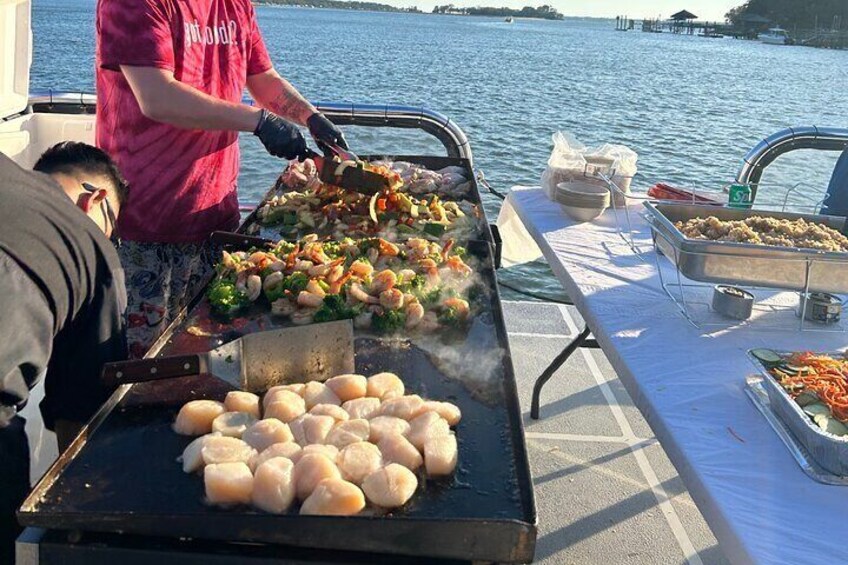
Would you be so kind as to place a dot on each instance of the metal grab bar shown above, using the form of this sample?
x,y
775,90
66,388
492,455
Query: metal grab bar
x,y
439,126
784,141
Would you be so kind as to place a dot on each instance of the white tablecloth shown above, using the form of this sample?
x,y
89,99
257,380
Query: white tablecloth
x,y
689,384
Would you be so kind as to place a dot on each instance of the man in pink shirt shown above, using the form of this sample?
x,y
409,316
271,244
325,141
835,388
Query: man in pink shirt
x,y
170,78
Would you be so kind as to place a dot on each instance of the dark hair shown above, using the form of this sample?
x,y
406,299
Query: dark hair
x,y
72,156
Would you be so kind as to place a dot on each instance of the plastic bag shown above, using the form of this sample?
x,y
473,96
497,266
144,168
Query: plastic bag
x,y
571,160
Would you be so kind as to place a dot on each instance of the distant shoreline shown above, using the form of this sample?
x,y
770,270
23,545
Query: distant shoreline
x,y
529,13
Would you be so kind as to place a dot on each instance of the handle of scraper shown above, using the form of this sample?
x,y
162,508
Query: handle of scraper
x,y
143,370
239,240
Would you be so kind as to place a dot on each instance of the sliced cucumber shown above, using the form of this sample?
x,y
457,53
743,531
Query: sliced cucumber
x,y
807,398
816,409
766,356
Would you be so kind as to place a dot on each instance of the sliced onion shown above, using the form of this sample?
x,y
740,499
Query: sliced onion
x,y
372,207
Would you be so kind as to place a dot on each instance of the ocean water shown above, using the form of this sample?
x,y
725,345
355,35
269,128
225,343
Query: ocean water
x,y
690,107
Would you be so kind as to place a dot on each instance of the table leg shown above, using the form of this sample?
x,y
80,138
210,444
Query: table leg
x,y
552,368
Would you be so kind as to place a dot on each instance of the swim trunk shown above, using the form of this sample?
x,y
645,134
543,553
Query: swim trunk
x,y
162,279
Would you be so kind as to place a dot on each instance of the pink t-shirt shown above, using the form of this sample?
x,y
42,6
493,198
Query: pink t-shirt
x,y
182,182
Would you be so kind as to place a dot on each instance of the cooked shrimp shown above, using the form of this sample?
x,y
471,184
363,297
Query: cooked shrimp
x,y
391,299
414,314
323,270
301,265
459,304
359,294
361,269
272,281
429,323
277,266
314,288
283,307
406,274
303,316
373,255
384,280
336,272
458,265
228,261
336,286
309,299
388,248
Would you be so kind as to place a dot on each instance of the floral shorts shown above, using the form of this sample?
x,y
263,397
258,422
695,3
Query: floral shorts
x,y
162,278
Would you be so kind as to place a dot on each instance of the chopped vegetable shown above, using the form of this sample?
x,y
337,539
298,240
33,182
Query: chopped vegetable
x,y
389,321
335,308
225,298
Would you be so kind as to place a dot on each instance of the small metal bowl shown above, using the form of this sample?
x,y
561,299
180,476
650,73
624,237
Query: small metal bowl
x,y
732,301
823,308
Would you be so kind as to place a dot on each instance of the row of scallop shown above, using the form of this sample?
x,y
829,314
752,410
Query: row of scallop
x,y
334,446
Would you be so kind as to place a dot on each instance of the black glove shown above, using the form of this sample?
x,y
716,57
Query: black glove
x,y
324,132
280,138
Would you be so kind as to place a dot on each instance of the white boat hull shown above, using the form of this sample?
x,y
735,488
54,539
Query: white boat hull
x,y
772,40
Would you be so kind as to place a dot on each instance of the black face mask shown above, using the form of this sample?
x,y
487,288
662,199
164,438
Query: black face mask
x,y
108,214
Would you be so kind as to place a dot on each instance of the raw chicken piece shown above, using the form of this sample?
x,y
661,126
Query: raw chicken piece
x,y
382,426
358,460
289,450
232,424
337,412
345,433
384,386
192,458
224,449
405,407
440,455
348,387
318,393
195,417
241,401
328,451
390,487
310,470
270,394
450,412
397,449
362,407
267,432
309,429
273,485
228,483
426,426
285,406
334,497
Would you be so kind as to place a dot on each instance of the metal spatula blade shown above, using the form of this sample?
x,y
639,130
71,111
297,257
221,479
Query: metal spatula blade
x,y
351,178
255,362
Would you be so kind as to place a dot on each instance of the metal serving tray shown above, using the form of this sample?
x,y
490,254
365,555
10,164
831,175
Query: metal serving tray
x,y
121,474
788,268
252,226
828,450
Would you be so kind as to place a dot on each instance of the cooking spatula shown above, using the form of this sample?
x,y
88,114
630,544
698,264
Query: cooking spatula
x,y
254,362
353,178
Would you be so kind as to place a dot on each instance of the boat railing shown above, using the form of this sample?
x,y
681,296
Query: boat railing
x,y
784,141
431,122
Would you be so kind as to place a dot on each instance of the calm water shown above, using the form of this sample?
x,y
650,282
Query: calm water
x,y
690,107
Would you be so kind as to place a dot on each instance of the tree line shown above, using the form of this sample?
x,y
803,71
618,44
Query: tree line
x,y
794,13
341,5
544,12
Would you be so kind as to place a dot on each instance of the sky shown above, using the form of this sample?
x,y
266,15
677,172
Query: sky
x,y
712,10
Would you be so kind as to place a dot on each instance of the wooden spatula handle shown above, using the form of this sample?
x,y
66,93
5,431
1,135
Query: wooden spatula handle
x,y
142,370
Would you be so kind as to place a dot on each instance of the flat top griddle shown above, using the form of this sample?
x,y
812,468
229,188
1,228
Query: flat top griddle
x,y
122,474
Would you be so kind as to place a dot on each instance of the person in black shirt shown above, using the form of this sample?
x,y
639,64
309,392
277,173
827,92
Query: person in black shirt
x,y
62,302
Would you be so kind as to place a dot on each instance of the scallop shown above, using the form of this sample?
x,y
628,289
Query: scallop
x,y
450,412
317,393
309,429
192,458
384,385
426,426
346,433
397,449
405,407
334,497
383,426
310,470
390,487
348,387
285,406
362,407
271,393
195,418
440,455
223,449
337,412
265,433
273,485
241,401
228,483
358,460
289,450
232,424
328,451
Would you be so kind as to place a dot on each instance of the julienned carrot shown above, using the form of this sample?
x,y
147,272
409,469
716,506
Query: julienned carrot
x,y
824,375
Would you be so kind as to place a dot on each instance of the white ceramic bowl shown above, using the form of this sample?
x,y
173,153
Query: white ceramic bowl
x,y
584,189
582,214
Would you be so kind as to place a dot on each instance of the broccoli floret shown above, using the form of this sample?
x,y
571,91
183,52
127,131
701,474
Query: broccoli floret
x,y
367,244
295,282
460,251
335,308
450,317
284,248
389,321
332,248
428,297
225,298
413,285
